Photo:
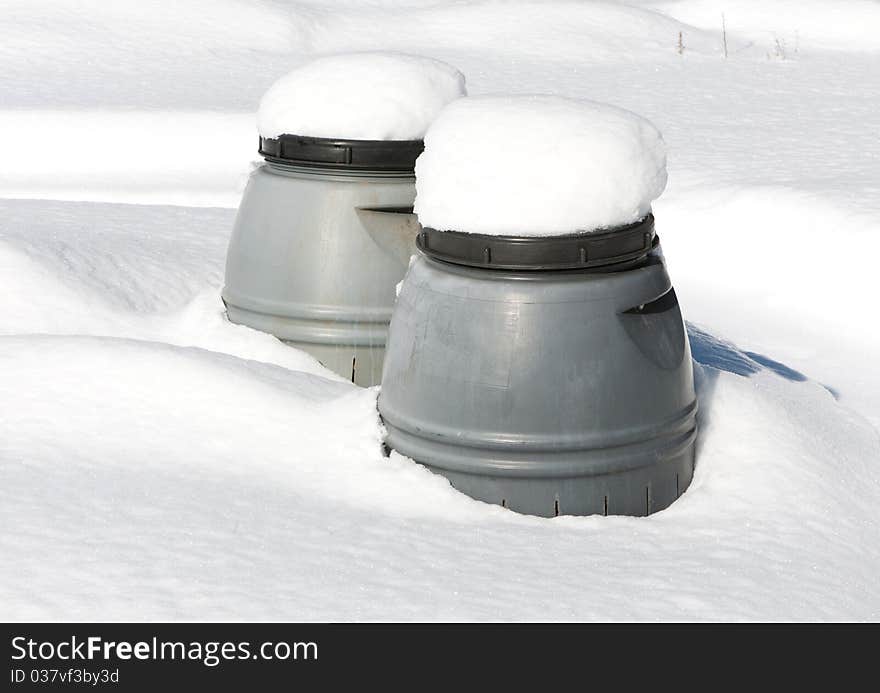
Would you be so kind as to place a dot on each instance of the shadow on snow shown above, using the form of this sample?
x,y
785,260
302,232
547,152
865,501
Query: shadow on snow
x,y
709,350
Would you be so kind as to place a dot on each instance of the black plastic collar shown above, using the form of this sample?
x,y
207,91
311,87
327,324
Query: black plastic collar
x,y
326,153
623,244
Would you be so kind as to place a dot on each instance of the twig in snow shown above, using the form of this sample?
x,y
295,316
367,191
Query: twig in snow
x,y
779,49
724,35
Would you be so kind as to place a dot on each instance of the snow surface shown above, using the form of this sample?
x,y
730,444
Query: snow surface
x,y
361,96
537,166
192,158
157,462
839,25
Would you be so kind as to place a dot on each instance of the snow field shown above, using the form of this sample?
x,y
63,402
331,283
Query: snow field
x,y
172,464
202,482
789,24
146,157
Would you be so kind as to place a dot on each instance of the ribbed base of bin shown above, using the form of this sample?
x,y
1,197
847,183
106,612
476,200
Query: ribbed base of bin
x,y
623,481
350,349
637,492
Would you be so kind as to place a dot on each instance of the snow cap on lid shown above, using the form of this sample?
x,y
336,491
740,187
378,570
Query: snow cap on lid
x,y
360,96
537,166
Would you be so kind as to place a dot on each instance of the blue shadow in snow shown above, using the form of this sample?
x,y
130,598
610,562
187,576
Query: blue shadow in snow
x,y
711,351
779,368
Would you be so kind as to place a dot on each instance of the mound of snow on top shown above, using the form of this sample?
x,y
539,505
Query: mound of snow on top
x,y
364,96
537,166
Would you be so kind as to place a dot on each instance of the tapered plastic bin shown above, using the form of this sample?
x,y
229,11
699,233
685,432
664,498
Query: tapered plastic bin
x,y
550,375
311,259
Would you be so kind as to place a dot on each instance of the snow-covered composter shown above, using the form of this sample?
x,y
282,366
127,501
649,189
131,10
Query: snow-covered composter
x,y
318,247
537,356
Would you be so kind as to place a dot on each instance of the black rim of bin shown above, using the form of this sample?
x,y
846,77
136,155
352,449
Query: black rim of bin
x,y
330,153
595,249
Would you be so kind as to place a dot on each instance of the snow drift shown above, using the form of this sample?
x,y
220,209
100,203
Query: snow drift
x,y
168,483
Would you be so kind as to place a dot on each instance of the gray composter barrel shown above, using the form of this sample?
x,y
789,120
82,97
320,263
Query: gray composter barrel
x,y
551,375
311,260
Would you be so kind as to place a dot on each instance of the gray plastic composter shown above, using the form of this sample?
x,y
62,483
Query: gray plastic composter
x,y
310,260
548,375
